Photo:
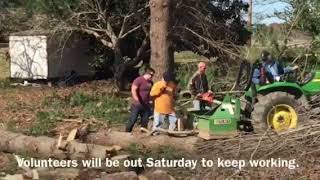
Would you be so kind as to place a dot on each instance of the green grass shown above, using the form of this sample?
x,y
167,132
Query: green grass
x,y
5,84
4,67
104,107
184,73
45,122
101,106
12,126
54,101
18,106
4,72
78,99
186,56
108,109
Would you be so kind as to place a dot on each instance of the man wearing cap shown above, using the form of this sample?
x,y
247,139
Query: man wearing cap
x,y
163,93
271,68
140,91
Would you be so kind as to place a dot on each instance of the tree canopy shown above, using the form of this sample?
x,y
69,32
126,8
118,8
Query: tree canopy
x,y
121,28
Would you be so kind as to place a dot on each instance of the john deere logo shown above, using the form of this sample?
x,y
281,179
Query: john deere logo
x,y
222,121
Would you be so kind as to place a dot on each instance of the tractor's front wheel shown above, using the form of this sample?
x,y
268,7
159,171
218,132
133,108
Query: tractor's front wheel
x,y
278,111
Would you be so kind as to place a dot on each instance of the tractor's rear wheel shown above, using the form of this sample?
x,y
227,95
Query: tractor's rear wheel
x,y
278,111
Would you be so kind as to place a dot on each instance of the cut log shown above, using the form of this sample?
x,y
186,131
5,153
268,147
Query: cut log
x,y
175,133
58,173
150,142
59,144
142,177
53,173
159,175
72,135
35,174
119,176
120,157
13,177
46,147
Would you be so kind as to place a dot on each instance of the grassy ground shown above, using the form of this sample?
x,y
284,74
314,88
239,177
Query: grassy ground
x,y
51,111
186,56
4,68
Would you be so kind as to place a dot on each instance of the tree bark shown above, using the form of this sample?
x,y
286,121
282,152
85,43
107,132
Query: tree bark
x,y
46,147
124,140
161,50
119,66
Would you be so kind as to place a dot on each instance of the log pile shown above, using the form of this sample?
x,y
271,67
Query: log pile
x,y
46,147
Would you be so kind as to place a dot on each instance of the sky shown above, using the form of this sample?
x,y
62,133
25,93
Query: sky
x,y
265,9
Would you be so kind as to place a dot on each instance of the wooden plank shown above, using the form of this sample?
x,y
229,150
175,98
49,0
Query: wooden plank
x,y
72,135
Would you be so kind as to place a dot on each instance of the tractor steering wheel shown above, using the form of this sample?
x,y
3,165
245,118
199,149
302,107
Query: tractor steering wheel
x,y
306,78
299,77
244,78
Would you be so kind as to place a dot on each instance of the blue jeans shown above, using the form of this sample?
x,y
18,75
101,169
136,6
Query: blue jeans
x,y
138,110
158,119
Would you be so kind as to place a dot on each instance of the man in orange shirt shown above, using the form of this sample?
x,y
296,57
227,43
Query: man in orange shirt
x,y
163,93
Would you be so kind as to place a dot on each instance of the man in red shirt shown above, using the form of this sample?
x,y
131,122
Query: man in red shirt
x,y
140,91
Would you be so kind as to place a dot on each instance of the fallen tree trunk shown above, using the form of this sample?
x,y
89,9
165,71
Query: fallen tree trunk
x,y
124,139
46,147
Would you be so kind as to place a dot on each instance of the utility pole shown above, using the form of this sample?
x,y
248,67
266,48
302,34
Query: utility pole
x,y
249,25
250,13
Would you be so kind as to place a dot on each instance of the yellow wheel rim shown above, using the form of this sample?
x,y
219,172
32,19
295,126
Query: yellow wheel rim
x,y
282,117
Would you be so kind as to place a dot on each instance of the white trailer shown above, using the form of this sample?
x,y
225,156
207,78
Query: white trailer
x,y
40,57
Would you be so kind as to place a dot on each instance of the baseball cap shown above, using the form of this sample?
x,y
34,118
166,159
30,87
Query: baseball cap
x,y
167,76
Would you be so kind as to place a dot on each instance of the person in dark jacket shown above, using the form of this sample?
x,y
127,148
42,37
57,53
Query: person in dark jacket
x,y
198,84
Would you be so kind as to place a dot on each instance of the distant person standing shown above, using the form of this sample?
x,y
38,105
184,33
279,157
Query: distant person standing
x,y
140,91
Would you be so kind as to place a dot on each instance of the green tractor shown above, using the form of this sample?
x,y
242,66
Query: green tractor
x,y
279,106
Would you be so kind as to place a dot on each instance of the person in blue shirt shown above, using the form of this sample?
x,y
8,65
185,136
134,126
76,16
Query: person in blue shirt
x,y
269,70
257,74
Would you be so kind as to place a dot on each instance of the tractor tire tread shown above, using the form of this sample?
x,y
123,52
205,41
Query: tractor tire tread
x,y
258,115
